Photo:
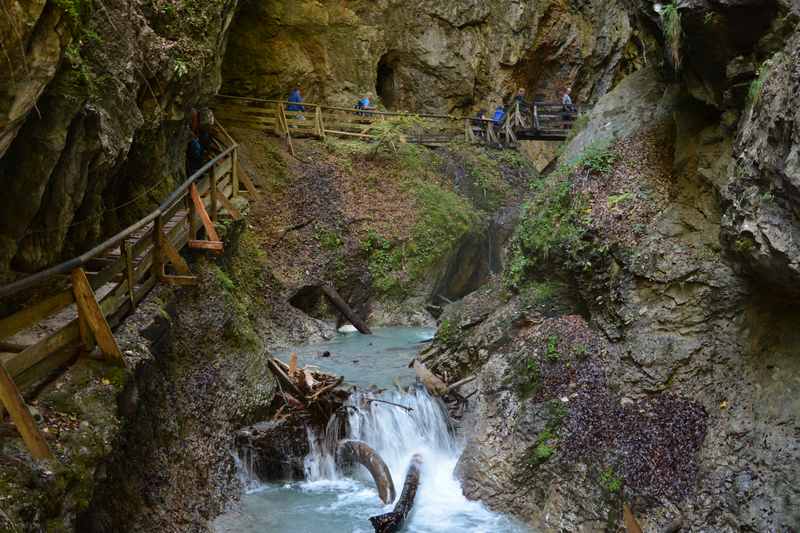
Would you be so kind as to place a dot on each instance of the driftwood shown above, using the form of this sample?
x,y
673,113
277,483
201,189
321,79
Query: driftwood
x,y
631,525
458,384
408,409
308,390
432,382
360,452
393,521
345,309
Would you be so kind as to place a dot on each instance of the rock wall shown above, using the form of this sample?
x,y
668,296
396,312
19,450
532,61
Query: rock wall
x,y
93,105
427,55
664,294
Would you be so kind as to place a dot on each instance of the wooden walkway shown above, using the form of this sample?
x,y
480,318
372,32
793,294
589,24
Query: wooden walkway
x,y
538,121
102,286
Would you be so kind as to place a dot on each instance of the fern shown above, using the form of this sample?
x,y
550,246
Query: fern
x,y
673,33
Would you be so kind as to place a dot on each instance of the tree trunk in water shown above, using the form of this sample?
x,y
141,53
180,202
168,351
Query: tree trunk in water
x,y
361,453
393,521
434,385
342,306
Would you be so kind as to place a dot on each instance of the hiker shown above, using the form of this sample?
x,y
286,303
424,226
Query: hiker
x,y
364,104
295,99
499,115
568,109
520,99
479,124
194,150
566,101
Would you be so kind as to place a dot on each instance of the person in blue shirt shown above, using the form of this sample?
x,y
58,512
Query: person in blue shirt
x,y
499,115
295,99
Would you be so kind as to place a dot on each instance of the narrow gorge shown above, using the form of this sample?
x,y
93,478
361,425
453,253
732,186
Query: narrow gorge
x,y
323,265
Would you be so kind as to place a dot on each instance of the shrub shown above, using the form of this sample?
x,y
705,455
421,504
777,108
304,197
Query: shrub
x,y
672,27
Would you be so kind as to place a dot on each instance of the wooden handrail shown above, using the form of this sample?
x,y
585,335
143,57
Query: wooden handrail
x,y
71,264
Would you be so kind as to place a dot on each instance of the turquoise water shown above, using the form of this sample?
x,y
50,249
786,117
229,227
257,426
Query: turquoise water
x,y
330,501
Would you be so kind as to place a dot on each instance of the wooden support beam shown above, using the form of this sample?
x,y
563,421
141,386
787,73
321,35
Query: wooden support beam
x,y
169,253
90,314
214,193
179,280
14,404
127,249
248,183
228,206
213,246
234,173
200,207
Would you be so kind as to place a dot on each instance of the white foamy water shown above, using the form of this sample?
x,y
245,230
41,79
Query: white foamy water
x,y
332,501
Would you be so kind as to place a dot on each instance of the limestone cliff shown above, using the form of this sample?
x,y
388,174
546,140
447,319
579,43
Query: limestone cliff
x,y
93,107
425,55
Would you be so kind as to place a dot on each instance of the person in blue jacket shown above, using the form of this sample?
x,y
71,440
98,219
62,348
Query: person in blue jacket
x,y
499,115
295,99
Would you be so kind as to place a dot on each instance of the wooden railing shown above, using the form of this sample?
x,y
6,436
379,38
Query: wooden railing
x,y
283,120
100,287
540,120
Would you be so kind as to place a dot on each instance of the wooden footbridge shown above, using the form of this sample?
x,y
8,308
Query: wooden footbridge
x,y
96,290
76,304
537,121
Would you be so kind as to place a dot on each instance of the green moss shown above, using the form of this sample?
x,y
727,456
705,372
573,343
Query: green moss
x,y
552,352
673,33
530,378
224,279
744,245
448,333
329,239
610,481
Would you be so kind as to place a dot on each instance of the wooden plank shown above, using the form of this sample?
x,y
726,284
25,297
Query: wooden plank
x,y
349,134
33,376
200,207
32,355
108,274
89,311
173,256
179,280
33,314
22,418
214,246
248,183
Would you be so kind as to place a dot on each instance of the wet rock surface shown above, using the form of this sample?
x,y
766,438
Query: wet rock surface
x,y
274,450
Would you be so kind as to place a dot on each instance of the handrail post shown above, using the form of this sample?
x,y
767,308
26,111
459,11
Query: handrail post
x,y
155,270
192,215
15,405
213,192
127,251
234,171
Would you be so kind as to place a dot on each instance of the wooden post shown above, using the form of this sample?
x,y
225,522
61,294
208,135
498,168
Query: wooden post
x,y
11,399
213,181
89,312
127,250
235,172
211,231
192,217
155,270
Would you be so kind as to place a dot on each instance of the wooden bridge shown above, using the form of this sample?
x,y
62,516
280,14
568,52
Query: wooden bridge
x,y
537,121
96,290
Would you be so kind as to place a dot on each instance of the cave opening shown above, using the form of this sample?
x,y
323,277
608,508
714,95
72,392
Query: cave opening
x,y
386,82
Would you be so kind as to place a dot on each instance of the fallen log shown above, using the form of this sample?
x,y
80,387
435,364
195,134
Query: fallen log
x,y
360,452
345,309
631,525
458,384
393,521
432,382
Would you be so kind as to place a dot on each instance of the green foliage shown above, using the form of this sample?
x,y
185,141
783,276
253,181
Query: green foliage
x,y
744,245
224,279
610,481
615,199
673,33
329,239
757,85
547,439
551,222
77,10
537,293
447,333
552,352
392,132
530,378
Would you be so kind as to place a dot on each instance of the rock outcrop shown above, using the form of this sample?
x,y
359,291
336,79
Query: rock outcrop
x,y
667,321
430,56
93,108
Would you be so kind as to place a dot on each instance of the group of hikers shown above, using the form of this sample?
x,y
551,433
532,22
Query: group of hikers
x,y
568,110
296,103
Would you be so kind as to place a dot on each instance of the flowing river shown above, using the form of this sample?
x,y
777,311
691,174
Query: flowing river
x,y
329,501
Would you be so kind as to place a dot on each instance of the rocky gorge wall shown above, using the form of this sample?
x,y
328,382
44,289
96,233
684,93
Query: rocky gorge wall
x,y
639,348
94,100
432,56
